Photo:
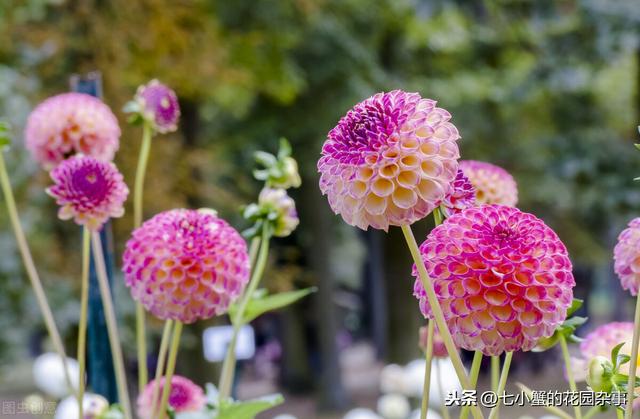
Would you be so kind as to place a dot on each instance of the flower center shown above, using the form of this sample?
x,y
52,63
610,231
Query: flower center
x,y
91,183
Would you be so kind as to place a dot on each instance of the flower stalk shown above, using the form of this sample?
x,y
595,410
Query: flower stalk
x,y
171,367
32,273
162,357
82,325
567,365
112,326
141,338
502,383
473,377
427,370
228,367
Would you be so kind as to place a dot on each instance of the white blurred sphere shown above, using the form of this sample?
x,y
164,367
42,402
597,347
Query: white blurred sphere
x,y
48,375
285,417
431,414
394,406
92,404
392,379
361,413
414,376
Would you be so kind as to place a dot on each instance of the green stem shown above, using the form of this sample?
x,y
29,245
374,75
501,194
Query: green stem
x,y
171,367
443,410
82,325
143,158
162,356
631,384
502,384
229,365
437,313
473,377
567,365
495,372
112,326
619,413
253,250
32,273
427,370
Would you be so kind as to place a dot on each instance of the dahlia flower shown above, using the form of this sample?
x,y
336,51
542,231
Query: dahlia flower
x,y
282,208
626,256
502,277
88,190
68,124
389,161
493,184
461,195
158,105
186,265
185,396
49,376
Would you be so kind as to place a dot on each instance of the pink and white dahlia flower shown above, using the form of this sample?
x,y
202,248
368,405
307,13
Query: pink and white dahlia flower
x,y
389,161
69,124
503,278
186,265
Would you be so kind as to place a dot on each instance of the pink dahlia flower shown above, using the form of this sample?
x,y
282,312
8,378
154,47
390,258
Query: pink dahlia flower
x,y
88,190
159,105
186,265
493,184
626,256
68,124
185,396
389,161
461,195
502,277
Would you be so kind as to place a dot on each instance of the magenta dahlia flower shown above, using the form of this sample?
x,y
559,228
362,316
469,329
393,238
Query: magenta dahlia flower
x,y
439,348
185,396
389,161
69,124
493,184
461,195
158,104
88,190
626,256
186,265
502,277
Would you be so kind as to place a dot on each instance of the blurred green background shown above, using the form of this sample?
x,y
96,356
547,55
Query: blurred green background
x,y
550,90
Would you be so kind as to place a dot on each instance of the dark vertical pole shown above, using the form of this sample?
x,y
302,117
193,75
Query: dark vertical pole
x,y
101,377
374,290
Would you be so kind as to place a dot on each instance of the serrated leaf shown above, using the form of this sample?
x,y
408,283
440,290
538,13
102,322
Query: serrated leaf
x,y
249,409
614,353
575,306
258,306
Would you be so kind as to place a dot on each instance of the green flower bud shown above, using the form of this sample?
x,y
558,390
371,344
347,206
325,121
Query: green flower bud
x,y
600,374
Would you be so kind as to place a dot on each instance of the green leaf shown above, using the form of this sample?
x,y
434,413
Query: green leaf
x,y
249,409
614,353
637,146
265,159
575,305
623,359
285,149
258,306
547,343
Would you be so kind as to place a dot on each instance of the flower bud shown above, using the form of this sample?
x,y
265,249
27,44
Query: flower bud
x,y
290,177
281,210
599,374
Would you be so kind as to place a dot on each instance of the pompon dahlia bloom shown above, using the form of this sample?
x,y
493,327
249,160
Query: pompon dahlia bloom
x,y
158,104
68,124
493,184
461,195
88,190
626,256
185,396
186,265
389,161
502,277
